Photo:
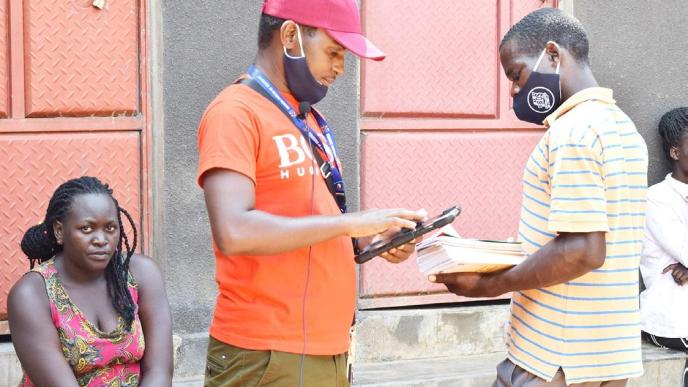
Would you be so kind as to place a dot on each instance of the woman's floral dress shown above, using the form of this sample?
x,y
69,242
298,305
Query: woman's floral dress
x,y
97,358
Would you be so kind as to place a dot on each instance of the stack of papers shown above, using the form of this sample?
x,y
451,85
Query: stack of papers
x,y
446,252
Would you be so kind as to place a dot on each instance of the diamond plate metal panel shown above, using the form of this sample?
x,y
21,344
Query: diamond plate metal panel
x,y
81,61
35,164
4,59
441,58
520,8
480,171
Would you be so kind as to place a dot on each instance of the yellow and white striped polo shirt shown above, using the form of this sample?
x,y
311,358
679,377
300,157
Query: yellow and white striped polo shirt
x,y
588,173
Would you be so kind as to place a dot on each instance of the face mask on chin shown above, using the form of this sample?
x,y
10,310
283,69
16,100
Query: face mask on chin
x,y
300,80
540,96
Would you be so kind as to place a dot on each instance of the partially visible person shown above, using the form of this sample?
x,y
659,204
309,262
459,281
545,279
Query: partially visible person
x,y
664,259
575,318
92,313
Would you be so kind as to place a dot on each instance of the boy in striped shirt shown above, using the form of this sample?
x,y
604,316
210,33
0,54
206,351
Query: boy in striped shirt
x,y
574,312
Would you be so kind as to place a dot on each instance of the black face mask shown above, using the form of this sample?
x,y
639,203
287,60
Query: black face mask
x,y
300,80
540,96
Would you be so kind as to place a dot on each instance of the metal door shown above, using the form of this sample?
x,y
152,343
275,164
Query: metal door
x,y
438,129
72,102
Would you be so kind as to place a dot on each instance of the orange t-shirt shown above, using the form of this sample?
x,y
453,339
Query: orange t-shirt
x,y
261,298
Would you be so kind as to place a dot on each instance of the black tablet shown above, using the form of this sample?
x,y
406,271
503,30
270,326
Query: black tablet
x,y
407,235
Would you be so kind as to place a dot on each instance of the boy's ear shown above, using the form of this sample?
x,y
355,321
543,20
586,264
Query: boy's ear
x,y
553,51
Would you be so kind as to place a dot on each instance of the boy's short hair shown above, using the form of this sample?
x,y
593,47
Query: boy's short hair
x,y
532,33
672,127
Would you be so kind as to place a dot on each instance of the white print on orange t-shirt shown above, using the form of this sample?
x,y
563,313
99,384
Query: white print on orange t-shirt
x,y
293,152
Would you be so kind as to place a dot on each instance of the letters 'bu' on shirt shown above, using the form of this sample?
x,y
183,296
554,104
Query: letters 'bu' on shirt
x,y
663,302
588,173
260,304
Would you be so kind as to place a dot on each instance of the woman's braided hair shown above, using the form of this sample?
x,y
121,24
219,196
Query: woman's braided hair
x,y
39,242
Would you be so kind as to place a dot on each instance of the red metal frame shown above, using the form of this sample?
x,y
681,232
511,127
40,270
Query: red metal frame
x,y
69,124
4,59
505,118
144,107
17,59
18,123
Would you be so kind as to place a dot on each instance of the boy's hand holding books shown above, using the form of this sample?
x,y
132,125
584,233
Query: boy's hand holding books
x,y
470,284
468,267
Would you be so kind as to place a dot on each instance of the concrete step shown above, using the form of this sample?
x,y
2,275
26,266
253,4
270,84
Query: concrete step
x,y
11,372
10,369
464,371
403,334
663,368
192,381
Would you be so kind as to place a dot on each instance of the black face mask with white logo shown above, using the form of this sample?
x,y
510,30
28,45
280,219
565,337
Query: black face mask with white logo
x,y
540,96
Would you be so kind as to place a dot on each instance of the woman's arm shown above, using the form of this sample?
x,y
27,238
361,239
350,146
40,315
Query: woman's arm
x,y
154,312
34,334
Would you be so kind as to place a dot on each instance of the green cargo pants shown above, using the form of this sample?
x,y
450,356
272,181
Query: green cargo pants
x,y
229,366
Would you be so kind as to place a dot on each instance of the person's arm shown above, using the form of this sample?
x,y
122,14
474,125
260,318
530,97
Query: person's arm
x,y
577,215
156,322
239,229
34,335
663,224
568,256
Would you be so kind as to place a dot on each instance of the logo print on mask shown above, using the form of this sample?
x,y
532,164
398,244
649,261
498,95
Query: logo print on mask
x,y
541,100
539,96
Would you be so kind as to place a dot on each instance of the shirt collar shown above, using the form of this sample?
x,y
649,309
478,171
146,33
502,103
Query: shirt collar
x,y
602,94
680,187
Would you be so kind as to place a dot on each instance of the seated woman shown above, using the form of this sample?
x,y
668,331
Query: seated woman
x,y
92,313
664,316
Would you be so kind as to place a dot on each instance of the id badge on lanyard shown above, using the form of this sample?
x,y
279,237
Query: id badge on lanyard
x,y
329,168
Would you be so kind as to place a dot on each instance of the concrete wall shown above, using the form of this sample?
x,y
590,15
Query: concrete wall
x,y
205,46
640,49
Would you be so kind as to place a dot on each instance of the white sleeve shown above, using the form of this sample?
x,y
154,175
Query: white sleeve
x,y
664,225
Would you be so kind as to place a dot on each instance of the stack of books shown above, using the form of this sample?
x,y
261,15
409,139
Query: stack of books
x,y
446,252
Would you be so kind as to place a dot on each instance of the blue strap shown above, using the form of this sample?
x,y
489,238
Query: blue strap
x,y
329,168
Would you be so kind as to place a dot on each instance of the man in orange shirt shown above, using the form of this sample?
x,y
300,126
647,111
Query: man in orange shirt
x,y
275,198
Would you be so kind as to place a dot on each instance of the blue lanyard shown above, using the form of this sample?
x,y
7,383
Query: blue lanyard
x,y
331,167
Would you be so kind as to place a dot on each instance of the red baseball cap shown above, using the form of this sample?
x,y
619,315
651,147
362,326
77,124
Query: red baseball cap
x,y
340,18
